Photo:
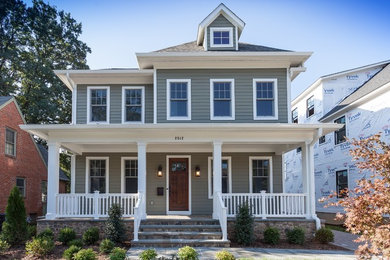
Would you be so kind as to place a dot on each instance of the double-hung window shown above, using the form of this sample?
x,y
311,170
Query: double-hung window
x,y
322,139
310,106
221,37
260,174
265,99
341,183
178,99
98,100
129,174
97,174
226,175
222,99
21,184
339,135
295,116
10,142
133,103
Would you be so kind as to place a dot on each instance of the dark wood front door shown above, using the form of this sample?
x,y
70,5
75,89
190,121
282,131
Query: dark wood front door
x,y
178,184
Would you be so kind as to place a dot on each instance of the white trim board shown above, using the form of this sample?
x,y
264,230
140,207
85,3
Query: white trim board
x,y
270,177
89,88
276,112
189,167
168,90
124,88
87,177
229,158
123,181
232,98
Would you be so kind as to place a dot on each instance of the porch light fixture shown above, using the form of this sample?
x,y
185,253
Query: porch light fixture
x,y
197,171
159,171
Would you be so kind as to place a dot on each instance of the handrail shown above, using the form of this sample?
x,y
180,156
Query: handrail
x,y
138,214
221,214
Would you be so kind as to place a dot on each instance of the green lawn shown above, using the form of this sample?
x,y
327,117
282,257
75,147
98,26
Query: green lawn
x,y
336,227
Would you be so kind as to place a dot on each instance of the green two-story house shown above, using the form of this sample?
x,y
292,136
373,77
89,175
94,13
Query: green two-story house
x,y
196,130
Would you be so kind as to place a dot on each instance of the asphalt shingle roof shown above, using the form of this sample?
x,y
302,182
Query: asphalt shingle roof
x,y
45,155
4,99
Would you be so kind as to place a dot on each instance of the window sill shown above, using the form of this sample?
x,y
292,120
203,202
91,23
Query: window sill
x,y
132,122
222,118
178,118
98,123
265,118
10,156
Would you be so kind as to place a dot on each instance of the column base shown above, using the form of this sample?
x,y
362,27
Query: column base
x,y
50,216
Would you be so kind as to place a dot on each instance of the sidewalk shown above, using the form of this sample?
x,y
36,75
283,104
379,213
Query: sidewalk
x,y
345,240
253,253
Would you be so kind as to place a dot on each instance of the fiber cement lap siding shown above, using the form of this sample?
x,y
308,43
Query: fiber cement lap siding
x,y
200,93
221,21
115,103
199,185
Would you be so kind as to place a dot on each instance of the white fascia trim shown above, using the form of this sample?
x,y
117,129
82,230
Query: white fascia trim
x,y
276,116
236,32
74,105
123,181
155,96
223,54
89,105
188,117
270,177
288,76
87,177
124,88
229,158
232,104
223,29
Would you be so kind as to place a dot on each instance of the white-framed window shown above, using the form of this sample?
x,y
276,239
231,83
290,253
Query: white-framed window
x,y
178,99
226,175
133,104
294,115
322,140
341,183
10,142
129,175
260,174
21,184
97,174
221,37
98,101
265,99
340,135
222,99
310,106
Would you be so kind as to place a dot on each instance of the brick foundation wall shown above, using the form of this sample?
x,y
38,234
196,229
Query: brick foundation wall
x,y
281,224
81,225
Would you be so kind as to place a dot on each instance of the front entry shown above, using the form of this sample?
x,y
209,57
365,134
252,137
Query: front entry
x,y
178,183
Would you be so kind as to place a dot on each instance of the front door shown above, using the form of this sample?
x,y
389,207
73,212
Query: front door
x,y
178,185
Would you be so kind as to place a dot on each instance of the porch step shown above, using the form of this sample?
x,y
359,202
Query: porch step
x,y
192,221
180,228
179,235
180,243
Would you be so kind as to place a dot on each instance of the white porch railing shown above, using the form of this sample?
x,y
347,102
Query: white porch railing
x,y
267,204
221,214
139,214
94,205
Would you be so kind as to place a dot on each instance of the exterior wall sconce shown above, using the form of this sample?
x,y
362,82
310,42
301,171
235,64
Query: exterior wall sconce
x,y
159,171
197,171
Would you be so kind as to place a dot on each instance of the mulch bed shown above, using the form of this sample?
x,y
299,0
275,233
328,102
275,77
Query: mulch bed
x,y
313,245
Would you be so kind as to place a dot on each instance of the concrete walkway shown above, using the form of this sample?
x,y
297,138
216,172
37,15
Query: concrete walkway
x,y
252,253
345,239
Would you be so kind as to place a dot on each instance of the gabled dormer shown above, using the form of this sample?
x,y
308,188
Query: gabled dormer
x,y
220,30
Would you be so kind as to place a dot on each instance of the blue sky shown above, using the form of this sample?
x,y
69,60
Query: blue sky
x,y
342,34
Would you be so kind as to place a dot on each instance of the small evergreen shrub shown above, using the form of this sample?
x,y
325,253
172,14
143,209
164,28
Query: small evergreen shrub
x,y
324,235
114,228
148,254
66,235
118,254
85,254
91,236
271,236
4,246
70,252
14,228
31,231
76,242
296,236
187,253
243,228
39,247
46,233
106,246
224,255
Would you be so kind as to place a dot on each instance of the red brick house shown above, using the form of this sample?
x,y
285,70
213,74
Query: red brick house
x,y
22,161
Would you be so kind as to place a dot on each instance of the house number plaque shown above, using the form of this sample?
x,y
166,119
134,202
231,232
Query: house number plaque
x,y
179,138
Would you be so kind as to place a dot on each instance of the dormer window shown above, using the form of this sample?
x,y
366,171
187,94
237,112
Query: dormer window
x,y
221,37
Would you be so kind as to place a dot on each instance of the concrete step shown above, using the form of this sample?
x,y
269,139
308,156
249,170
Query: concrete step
x,y
180,228
180,243
193,221
180,235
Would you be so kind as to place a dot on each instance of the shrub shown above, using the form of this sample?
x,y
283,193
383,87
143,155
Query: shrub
x,y
118,254
85,254
224,255
66,235
46,233
4,246
296,236
324,235
106,246
91,236
148,254
76,242
114,228
39,247
271,236
14,229
187,253
70,252
243,228
31,231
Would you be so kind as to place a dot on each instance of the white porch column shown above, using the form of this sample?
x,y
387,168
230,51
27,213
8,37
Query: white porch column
x,y
311,185
305,178
73,173
142,175
53,167
217,173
